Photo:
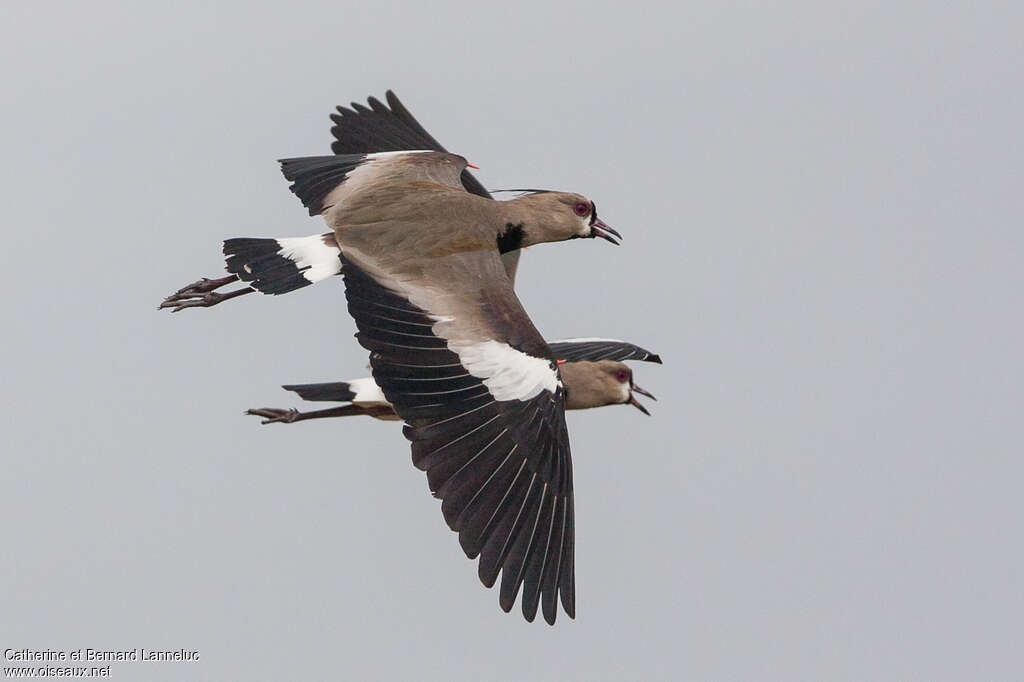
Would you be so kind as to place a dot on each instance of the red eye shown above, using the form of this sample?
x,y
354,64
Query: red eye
x,y
622,375
581,209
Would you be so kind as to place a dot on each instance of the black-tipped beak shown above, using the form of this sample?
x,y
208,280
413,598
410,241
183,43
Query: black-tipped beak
x,y
636,403
599,229
643,392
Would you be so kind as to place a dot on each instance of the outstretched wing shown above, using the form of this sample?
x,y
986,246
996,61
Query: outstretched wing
x,y
455,353
322,182
574,350
380,129
391,127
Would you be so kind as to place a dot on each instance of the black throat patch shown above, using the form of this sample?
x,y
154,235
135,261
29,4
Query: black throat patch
x,y
511,239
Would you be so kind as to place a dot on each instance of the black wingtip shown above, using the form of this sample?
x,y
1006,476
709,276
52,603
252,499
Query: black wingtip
x,y
335,391
653,357
314,177
486,578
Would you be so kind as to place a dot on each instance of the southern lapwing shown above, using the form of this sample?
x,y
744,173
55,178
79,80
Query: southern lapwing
x,y
588,383
277,266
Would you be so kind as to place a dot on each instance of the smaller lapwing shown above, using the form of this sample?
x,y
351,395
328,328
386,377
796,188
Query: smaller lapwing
x,y
588,384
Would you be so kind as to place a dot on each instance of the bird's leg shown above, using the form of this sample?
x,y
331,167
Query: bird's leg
x,y
278,416
202,294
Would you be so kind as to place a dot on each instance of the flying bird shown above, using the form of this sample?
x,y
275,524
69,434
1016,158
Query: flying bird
x,y
588,383
276,266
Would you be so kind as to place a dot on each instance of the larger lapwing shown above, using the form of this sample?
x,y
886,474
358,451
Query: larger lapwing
x,y
280,265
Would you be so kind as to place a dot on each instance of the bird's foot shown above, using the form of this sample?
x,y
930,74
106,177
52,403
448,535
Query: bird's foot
x,y
202,294
273,415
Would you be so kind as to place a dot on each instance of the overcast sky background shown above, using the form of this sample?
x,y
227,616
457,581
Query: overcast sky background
x,y
822,208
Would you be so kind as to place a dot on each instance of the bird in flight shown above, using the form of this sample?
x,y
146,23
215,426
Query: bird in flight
x,y
276,266
588,384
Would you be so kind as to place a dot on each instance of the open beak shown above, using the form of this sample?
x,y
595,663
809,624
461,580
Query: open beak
x,y
643,392
636,403
599,229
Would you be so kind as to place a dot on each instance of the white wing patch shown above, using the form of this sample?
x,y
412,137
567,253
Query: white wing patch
x,y
366,391
321,259
508,374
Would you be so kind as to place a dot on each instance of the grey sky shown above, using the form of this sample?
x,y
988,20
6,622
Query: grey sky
x,y
822,212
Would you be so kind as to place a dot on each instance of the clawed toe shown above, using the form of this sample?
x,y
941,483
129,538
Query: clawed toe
x,y
202,294
204,285
274,415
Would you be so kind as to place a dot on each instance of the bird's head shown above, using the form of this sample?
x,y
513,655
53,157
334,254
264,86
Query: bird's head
x,y
621,373
546,216
606,382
